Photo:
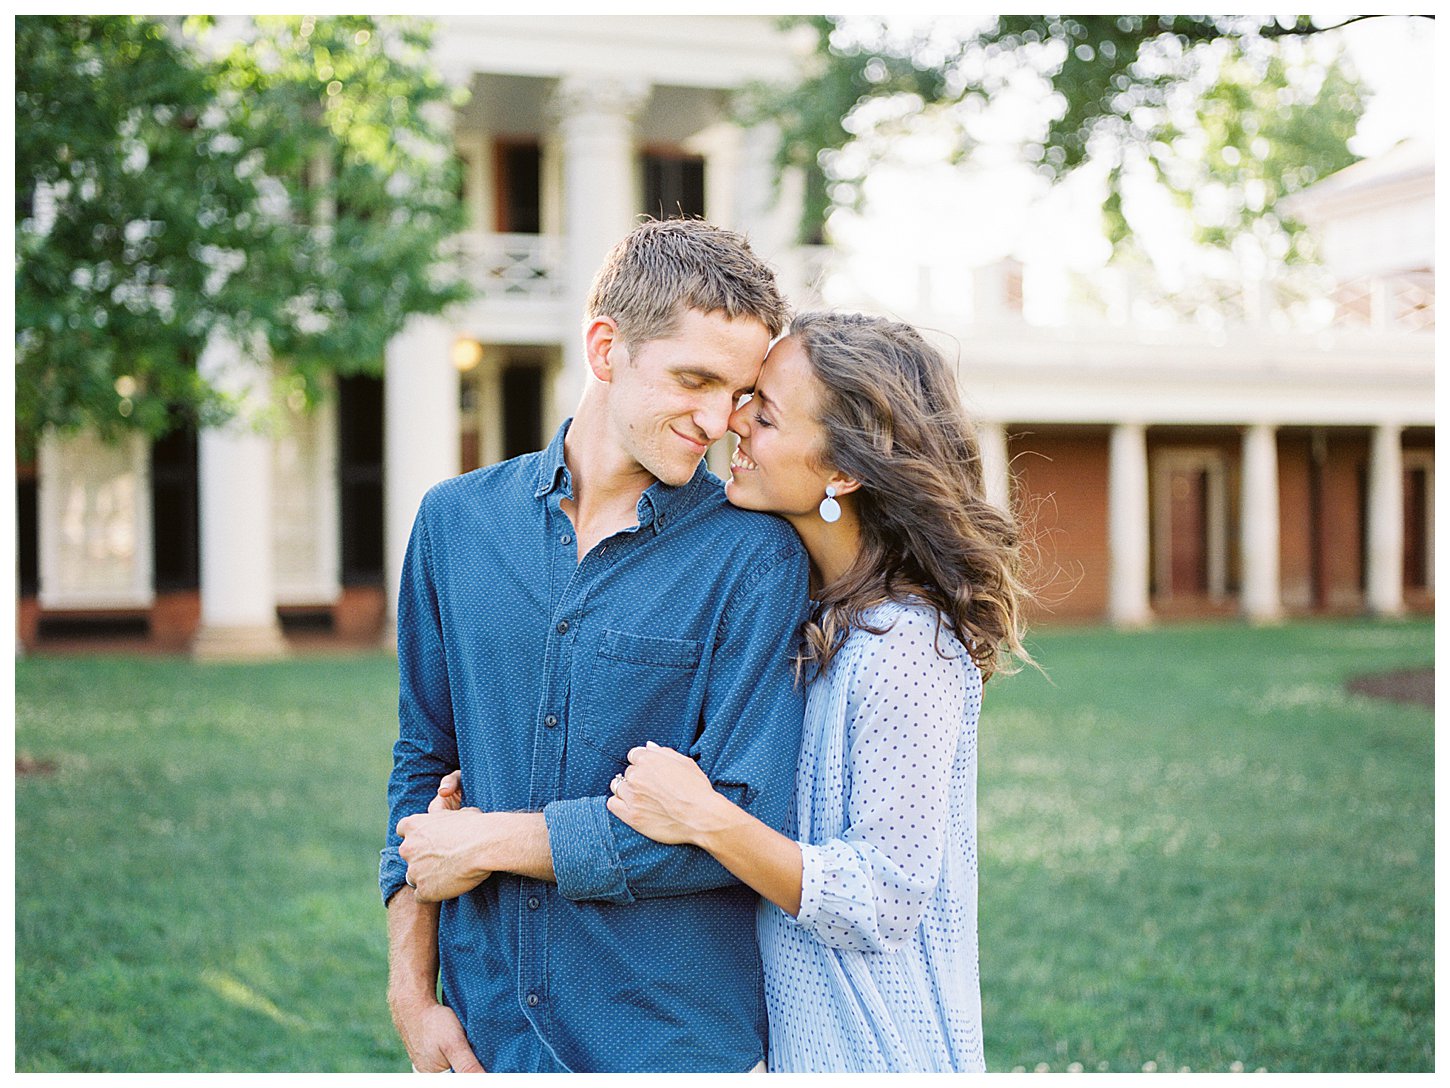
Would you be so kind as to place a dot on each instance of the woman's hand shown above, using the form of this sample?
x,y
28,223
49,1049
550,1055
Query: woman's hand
x,y
450,793
665,796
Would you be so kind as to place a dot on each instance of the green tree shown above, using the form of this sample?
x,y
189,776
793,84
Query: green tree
x,y
1229,112
291,191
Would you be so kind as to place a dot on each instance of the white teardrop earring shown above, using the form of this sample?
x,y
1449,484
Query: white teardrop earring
x,y
830,508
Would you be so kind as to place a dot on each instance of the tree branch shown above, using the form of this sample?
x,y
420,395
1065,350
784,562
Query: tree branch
x,y
1303,30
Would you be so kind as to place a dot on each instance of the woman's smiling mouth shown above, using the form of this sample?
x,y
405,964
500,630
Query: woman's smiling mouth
x,y
740,461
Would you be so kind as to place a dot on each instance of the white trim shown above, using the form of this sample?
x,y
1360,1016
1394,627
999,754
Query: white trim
x,y
477,149
1128,541
317,431
1214,464
1384,579
1261,591
61,461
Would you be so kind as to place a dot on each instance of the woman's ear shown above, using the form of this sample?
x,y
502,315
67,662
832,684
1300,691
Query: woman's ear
x,y
601,337
843,484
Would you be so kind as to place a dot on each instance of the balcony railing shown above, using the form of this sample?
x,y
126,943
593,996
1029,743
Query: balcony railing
x,y
1404,301
517,267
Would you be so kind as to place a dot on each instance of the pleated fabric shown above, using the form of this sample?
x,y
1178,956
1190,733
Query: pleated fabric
x,y
879,972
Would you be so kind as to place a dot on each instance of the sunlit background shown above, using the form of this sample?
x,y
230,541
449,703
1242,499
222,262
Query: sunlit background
x,y
275,279
1198,407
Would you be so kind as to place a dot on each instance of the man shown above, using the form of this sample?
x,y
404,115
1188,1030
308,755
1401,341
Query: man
x,y
557,610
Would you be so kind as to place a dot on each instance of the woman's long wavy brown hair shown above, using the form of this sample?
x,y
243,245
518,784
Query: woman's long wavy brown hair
x,y
893,420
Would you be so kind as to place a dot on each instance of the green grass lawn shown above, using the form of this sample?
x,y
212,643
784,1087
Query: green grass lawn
x,y
1196,849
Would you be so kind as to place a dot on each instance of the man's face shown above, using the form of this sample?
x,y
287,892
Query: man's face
x,y
670,398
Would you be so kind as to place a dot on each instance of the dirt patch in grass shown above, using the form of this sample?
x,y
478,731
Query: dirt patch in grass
x,y
1415,686
25,764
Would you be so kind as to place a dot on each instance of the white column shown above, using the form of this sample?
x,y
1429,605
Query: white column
x,y
1128,525
488,378
768,213
992,440
993,292
1259,525
596,130
721,145
420,434
1384,589
238,599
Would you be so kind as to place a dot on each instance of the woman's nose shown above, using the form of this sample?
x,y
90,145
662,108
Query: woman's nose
x,y
740,418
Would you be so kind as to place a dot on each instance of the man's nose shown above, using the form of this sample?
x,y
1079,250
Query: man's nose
x,y
714,417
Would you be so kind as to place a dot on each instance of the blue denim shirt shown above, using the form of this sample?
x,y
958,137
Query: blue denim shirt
x,y
536,673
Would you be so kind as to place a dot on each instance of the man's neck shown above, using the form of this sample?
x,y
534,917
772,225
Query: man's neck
x,y
607,482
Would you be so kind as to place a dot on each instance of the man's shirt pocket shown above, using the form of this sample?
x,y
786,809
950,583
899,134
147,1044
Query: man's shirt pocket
x,y
638,688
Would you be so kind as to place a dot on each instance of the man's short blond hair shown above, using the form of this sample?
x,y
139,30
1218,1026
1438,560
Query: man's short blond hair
x,y
665,267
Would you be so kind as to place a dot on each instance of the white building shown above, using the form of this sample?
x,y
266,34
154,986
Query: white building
x,y
575,127
1251,457
1232,449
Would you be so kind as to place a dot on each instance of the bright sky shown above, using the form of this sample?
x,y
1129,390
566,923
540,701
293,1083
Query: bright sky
x,y
942,220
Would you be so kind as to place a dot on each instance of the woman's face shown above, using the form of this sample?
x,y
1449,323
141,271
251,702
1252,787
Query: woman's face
x,y
777,466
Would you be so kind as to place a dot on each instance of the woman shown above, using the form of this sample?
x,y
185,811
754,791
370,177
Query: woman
x,y
868,922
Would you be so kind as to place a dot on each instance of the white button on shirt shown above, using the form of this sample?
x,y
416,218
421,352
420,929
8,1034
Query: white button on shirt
x,y
879,971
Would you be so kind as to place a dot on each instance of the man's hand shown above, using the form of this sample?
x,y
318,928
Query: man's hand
x,y
450,793
441,850
434,1038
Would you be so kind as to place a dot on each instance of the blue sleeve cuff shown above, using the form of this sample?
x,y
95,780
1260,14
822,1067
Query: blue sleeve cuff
x,y
391,871
586,858
811,872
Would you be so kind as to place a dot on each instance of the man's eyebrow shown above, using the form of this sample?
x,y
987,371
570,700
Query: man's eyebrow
x,y
703,373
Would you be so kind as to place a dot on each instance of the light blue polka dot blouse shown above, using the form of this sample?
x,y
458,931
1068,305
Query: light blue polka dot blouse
x,y
879,971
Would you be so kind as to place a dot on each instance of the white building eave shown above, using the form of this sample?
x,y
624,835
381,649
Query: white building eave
x,y
1405,173
1284,381
715,51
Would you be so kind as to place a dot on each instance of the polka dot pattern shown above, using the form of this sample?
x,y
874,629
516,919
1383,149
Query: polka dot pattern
x,y
879,971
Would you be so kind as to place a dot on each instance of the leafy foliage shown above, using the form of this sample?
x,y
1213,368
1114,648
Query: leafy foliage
x,y
1222,109
291,192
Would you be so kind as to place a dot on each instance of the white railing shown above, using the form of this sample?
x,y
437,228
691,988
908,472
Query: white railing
x,y
1303,298
524,267
1404,301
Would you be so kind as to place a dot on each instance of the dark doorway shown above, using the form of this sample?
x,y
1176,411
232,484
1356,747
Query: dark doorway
x,y
518,171
1361,504
674,185
1188,525
1415,529
175,520
27,528
523,408
360,478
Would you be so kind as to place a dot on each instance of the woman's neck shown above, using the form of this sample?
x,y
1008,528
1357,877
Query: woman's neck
x,y
831,546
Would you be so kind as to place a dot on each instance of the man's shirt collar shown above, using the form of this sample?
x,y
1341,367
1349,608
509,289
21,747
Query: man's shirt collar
x,y
656,507
553,471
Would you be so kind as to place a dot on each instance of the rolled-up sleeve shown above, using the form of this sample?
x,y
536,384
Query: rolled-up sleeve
x,y
426,748
868,888
747,745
